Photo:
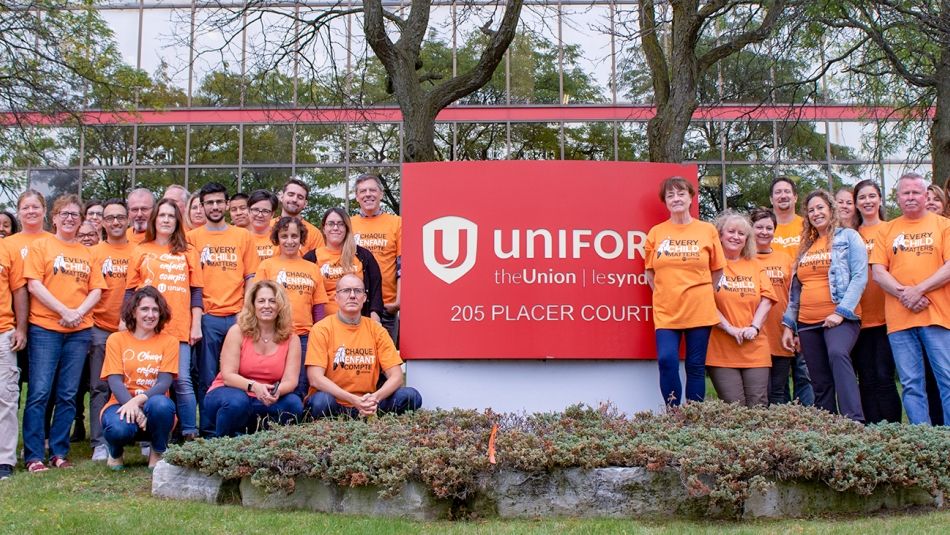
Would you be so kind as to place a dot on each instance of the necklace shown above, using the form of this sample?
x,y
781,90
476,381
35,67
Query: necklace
x,y
267,340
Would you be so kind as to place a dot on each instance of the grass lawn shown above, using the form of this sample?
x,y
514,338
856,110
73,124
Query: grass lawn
x,y
92,499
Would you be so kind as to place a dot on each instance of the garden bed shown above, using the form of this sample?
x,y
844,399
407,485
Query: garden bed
x,y
705,459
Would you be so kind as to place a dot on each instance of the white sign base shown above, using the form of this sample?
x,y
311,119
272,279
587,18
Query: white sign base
x,y
536,385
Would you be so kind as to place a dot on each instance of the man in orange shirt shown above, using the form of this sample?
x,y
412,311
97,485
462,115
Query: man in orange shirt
x,y
911,263
783,194
346,354
140,203
293,201
14,304
237,209
111,257
381,233
228,260
179,194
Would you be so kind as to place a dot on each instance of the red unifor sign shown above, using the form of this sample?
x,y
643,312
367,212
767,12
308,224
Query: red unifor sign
x,y
529,259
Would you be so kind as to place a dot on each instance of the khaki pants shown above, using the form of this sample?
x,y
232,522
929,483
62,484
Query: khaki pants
x,y
9,396
746,386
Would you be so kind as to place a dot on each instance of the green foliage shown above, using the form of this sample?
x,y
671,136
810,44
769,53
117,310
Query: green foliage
x,y
720,450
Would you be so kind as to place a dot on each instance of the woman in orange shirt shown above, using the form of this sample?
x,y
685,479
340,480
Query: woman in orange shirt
x,y
300,279
166,261
823,306
872,356
64,288
340,256
140,364
778,266
684,262
31,209
738,358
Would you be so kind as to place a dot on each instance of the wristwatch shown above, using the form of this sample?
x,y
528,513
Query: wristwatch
x,y
249,385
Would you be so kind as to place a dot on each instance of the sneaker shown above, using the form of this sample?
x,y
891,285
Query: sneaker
x,y
34,467
100,453
59,462
145,448
6,471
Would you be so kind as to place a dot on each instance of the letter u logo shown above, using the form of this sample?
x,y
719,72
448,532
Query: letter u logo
x,y
448,247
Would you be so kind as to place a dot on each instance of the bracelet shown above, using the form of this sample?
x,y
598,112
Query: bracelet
x,y
757,331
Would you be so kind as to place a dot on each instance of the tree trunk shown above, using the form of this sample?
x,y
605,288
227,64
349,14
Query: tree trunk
x,y
666,132
419,125
940,131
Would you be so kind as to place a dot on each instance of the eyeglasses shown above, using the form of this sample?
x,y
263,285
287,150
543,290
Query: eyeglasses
x,y
115,218
141,209
346,292
84,235
67,215
261,211
335,224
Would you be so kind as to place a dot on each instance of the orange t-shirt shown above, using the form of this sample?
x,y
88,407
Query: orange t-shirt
x,y
227,257
815,303
139,361
683,258
788,236
11,279
872,301
314,236
262,244
352,355
66,269
778,266
382,235
744,284
173,276
302,282
19,246
134,238
113,262
913,250
331,270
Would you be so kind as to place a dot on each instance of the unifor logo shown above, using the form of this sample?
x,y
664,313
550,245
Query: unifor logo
x,y
448,247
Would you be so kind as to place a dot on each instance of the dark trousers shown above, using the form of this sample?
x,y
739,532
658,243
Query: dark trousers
x,y
236,413
874,364
668,359
405,398
828,355
778,380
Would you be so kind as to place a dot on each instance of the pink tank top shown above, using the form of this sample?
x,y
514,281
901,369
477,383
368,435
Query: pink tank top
x,y
266,369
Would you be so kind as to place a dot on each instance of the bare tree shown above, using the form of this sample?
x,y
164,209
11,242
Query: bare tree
x,y
677,61
908,41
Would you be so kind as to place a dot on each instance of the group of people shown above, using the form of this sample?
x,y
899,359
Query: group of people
x,y
188,325
837,297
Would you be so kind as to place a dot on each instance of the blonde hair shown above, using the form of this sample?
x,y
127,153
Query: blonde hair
x,y
247,318
729,216
186,217
810,233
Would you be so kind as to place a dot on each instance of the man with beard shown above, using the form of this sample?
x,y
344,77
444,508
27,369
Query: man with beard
x,y
140,202
228,259
111,257
293,201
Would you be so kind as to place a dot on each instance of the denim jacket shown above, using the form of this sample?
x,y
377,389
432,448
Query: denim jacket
x,y
847,277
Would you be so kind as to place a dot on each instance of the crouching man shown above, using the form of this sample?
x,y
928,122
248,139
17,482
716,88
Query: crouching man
x,y
345,355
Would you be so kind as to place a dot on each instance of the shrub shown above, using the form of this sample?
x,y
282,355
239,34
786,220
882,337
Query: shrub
x,y
720,450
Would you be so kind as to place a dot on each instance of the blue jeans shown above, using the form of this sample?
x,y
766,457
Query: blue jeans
x,y
405,398
801,382
908,347
54,357
213,331
235,413
160,412
668,359
187,408
303,384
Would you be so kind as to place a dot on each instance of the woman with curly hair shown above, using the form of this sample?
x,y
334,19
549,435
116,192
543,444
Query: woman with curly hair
x,y
831,272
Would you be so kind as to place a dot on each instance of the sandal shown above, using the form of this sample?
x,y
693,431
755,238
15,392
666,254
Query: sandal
x,y
35,467
59,462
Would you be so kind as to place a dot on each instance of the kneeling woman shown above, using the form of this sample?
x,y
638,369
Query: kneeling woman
x,y
738,359
140,365
260,364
